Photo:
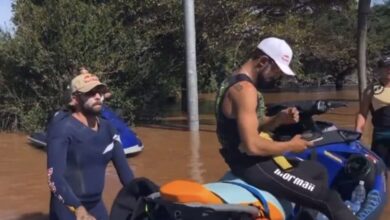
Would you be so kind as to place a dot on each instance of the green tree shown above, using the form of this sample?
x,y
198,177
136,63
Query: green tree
x,y
137,47
316,29
379,30
131,44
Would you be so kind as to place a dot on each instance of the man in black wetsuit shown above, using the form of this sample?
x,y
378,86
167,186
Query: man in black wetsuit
x,y
79,148
240,113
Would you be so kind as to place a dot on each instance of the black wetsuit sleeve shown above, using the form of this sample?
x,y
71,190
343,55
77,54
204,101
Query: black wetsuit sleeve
x,y
119,159
58,143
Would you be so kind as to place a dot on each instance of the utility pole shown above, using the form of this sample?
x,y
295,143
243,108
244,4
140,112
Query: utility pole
x,y
192,80
363,11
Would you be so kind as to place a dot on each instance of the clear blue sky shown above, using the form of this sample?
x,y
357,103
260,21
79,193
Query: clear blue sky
x,y
5,14
378,1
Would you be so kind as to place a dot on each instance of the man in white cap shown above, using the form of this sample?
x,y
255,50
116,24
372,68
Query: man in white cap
x,y
80,146
240,114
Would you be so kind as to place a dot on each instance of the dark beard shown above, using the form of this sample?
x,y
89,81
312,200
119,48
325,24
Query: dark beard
x,y
263,83
90,112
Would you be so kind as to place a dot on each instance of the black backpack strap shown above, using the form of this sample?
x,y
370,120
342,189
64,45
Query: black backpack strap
x,y
238,78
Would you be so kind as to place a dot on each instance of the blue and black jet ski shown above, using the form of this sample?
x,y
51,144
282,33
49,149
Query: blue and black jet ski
x,y
130,141
340,151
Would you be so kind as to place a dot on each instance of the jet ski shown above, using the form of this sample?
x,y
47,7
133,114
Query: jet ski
x,y
346,159
131,143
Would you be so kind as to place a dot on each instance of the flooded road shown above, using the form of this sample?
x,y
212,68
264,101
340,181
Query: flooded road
x,y
170,153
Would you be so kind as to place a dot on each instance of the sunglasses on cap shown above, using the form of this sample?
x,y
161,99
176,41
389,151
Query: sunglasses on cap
x,y
101,90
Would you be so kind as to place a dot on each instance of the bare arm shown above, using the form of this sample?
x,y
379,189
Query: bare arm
x,y
269,123
361,116
244,102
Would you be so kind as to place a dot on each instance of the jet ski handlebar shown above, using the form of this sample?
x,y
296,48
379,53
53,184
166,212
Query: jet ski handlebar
x,y
306,108
306,123
321,106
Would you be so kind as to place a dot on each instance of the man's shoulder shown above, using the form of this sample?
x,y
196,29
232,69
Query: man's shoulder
x,y
243,87
59,115
106,124
371,89
104,121
61,125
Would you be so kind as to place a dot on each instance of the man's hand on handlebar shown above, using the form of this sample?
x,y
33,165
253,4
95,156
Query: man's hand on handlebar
x,y
288,116
299,144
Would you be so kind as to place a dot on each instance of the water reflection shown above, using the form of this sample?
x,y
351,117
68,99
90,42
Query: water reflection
x,y
195,164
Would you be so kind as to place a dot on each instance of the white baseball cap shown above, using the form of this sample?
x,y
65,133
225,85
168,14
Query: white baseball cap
x,y
279,51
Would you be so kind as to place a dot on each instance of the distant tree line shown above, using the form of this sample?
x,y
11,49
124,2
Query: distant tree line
x,y
137,47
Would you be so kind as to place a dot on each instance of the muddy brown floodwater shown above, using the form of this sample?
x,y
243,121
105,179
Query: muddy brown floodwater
x,y
170,153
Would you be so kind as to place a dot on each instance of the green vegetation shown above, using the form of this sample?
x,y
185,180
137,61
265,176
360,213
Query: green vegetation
x,y
137,47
